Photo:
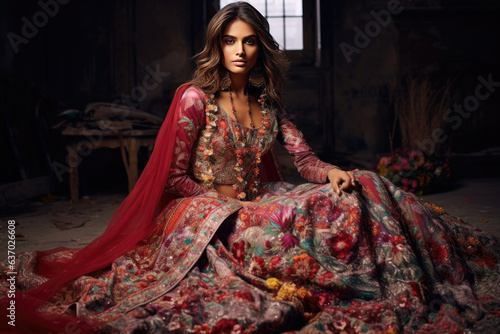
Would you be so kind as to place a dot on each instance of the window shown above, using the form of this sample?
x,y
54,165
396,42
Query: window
x,y
285,20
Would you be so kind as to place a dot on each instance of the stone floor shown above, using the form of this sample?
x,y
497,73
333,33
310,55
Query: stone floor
x,y
53,221
477,201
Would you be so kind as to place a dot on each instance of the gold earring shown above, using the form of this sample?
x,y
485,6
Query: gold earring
x,y
225,81
256,78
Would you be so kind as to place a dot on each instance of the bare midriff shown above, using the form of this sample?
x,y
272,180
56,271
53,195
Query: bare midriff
x,y
226,190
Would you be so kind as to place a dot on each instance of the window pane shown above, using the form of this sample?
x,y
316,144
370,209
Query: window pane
x,y
260,5
293,7
276,27
223,3
294,38
292,31
275,8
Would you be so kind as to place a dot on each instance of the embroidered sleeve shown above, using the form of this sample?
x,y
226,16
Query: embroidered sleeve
x,y
191,120
308,164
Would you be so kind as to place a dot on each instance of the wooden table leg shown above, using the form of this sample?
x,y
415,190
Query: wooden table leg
x,y
131,164
73,173
133,151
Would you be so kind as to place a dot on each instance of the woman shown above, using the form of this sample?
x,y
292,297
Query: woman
x,y
202,245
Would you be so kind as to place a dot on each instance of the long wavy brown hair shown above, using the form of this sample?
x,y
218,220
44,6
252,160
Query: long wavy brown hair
x,y
272,60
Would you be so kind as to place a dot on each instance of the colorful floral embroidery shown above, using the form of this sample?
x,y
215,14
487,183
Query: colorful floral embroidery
x,y
301,259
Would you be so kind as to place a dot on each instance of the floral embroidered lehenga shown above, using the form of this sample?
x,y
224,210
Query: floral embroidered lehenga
x,y
299,258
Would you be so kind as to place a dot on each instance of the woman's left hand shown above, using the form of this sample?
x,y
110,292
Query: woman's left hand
x,y
341,180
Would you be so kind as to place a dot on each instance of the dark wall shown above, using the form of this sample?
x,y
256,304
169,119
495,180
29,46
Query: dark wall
x,y
447,41
92,50
364,79
86,51
458,42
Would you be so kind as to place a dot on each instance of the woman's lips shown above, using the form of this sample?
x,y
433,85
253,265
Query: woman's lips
x,y
239,62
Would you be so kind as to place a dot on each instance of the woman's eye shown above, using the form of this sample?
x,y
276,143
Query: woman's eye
x,y
229,41
250,41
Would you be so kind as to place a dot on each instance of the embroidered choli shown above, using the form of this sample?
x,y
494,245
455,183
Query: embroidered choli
x,y
190,165
228,153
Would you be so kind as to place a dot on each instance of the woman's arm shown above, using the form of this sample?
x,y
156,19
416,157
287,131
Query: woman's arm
x,y
307,162
191,121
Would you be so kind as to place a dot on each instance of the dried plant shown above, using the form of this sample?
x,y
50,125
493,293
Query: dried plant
x,y
419,110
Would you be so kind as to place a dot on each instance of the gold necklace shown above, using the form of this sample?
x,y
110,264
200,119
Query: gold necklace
x,y
211,123
248,109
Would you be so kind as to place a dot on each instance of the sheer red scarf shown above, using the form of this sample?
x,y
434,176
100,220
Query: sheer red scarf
x,y
132,222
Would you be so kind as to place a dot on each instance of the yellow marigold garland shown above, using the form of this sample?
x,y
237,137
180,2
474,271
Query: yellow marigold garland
x,y
436,208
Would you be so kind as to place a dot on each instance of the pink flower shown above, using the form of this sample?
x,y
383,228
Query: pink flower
x,y
384,161
405,164
284,217
335,213
396,167
289,241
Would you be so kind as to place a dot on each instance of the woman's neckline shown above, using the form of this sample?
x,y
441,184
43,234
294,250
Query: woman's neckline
x,y
236,121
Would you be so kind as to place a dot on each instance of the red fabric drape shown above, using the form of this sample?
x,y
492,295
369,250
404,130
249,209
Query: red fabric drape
x,y
132,222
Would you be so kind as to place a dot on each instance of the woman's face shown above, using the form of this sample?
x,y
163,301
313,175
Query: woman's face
x,y
240,47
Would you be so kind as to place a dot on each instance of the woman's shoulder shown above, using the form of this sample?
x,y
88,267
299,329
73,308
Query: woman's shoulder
x,y
194,92
193,96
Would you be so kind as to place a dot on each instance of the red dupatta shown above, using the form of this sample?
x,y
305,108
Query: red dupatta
x,y
133,221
